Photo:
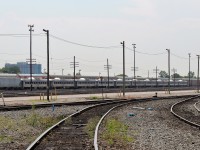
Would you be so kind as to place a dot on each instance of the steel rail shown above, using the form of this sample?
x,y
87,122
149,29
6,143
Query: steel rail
x,y
181,118
34,143
52,127
195,106
26,107
23,107
99,123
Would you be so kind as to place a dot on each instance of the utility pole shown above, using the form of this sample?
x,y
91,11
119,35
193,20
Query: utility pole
x,y
168,50
47,31
156,77
156,71
74,65
79,72
108,67
134,59
62,73
31,26
198,76
123,44
174,71
189,69
101,78
134,69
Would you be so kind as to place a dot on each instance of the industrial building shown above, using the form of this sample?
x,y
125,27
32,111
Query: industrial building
x,y
25,67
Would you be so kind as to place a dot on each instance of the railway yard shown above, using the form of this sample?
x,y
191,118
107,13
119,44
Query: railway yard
x,y
138,122
100,75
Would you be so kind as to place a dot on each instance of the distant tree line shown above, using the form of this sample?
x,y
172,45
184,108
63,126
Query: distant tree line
x,y
164,74
12,70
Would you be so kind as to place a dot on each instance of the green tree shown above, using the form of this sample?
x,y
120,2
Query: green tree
x,y
163,74
191,73
13,69
176,75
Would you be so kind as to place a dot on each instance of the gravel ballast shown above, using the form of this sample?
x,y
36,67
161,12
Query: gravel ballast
x,y
154,127
16,133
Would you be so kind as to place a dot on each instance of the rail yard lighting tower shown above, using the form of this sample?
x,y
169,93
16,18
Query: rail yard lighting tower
x,y
47,31
123,44
31,26
168,50
198,76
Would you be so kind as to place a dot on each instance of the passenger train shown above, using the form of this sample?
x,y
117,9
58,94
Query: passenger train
x,y
17,83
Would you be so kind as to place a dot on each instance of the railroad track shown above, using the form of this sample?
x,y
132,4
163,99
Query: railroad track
x,y
37,92
25,107
186,111
196,106
70,132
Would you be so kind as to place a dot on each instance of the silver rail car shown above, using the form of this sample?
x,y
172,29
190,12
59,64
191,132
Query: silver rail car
x,y
10,82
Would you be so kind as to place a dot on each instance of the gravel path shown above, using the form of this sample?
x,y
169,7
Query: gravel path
x,y
17,130
155,128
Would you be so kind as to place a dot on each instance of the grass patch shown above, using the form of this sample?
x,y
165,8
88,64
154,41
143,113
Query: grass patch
x,y
26,128
91,125
116,133
7,123
94,97
36,120
36,101
68,121
6,139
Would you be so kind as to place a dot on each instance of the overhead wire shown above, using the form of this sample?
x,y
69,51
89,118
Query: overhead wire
x,y
85,45
91,60
146,53
22,35
178,56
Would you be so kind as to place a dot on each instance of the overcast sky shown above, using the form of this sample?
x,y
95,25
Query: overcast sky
x,y
153,25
